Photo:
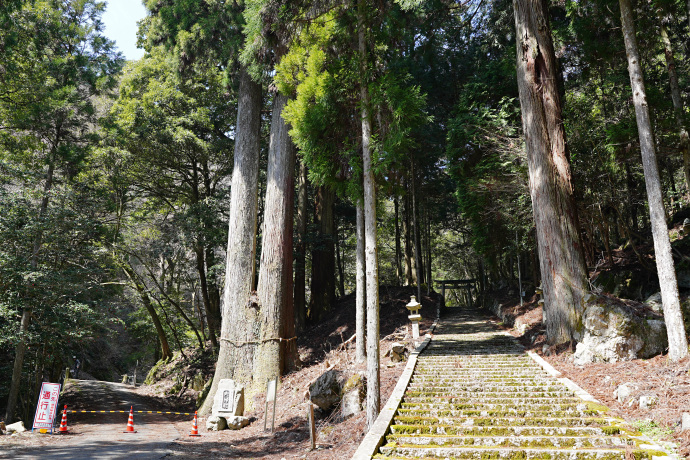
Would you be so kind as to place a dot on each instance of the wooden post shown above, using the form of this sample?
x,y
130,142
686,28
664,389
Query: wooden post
x,y
312,426
443,298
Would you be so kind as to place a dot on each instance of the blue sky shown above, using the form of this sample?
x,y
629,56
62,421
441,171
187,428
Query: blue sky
x,y
120,21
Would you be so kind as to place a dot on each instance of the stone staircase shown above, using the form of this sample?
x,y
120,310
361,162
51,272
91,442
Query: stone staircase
x,y
475,394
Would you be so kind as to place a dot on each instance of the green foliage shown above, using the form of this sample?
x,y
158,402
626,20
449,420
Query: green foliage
x,y
324,113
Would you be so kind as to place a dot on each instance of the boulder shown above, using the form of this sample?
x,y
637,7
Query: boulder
x,y
685,422
398,352
616,331
654,302
325,391
216,423
354,394
17,427
624,392
648,401
237,422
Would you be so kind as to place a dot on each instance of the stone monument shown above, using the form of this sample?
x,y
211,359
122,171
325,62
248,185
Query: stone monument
x,y
228,404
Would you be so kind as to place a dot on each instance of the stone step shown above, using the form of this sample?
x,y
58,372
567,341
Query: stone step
x,y
475,394
486,412
551,406
465,430
450,393
461,453
488,399
504,421
540,442
485,386
461,377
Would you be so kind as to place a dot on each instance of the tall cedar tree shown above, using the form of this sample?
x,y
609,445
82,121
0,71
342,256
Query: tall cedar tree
x,y
563,271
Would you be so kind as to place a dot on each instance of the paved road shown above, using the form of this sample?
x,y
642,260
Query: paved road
x,y
99,436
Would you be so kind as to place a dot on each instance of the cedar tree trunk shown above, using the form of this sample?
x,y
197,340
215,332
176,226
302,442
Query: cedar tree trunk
x,y
563,270
275,269
238,328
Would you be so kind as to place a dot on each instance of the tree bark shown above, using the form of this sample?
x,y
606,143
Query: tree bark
x,y
417,235
339,260
398,251
563,271
323,257
238,327
301,252
361,286
409,271
677,106
427,232
370,248
275,269
677,340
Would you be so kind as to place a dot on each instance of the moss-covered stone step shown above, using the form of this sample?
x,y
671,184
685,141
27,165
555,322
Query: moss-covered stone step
x,y
545,407
464,430
483,374
540,442
461,374
481,399
442,354
447,362
450,393
474,374
459,453
503,413
505,421
488,386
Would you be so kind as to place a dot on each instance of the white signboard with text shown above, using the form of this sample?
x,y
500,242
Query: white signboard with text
x,y
47,405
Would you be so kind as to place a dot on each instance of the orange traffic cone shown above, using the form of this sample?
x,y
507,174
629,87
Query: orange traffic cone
x,y
63,423
130,422
195,429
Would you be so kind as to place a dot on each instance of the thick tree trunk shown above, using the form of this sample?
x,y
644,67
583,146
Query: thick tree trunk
x,y
427,231
409,270
398,251
238,328
360,289
301,250
563,271
417,234
677,341
677,106
370,248
275,270
339,261
323,257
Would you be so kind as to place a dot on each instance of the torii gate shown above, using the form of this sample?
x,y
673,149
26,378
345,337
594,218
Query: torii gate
x,y
466,285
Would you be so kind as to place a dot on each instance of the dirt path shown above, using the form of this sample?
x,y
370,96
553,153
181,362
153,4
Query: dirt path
x,y
100,436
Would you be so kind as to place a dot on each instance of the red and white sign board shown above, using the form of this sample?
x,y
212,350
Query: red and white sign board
x,y
47,405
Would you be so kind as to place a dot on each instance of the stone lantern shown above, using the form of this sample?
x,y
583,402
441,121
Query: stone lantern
x,y
539,290
415,317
